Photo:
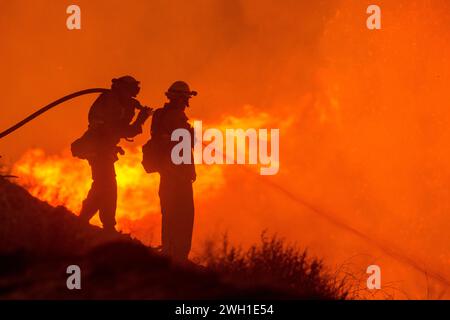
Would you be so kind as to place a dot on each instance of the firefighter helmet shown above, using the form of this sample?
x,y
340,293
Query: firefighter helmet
x,y
126,80
180,88
127,84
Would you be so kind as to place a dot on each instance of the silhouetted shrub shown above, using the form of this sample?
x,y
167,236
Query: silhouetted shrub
x,y
275,264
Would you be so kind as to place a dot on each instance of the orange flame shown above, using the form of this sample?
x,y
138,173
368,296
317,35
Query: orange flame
x,y
62,180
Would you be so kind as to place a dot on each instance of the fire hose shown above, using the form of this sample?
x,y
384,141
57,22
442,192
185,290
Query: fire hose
x,y
51,106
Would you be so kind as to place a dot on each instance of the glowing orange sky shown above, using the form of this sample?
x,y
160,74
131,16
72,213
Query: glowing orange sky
x,y
370,114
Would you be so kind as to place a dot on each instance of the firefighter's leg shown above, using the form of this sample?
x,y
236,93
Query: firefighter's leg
x,y
108,197
90,204
183,226
108,205
167,215
177,208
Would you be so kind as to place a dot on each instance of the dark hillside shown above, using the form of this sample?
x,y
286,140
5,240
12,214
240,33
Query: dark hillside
x,y
38,242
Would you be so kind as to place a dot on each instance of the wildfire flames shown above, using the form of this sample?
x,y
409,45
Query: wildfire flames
x,y
62,180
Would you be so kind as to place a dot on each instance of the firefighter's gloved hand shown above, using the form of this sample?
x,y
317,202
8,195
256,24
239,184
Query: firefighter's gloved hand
x,y
120,151
144,114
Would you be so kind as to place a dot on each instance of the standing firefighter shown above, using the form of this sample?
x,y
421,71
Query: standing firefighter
x,y
175,189
110,120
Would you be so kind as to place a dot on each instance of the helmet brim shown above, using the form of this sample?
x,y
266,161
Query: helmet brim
x,y
186,93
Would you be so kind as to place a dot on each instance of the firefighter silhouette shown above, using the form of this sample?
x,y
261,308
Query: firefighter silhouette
x,y
175,189
110,120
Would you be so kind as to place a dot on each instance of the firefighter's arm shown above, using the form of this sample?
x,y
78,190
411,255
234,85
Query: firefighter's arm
x,y
135,127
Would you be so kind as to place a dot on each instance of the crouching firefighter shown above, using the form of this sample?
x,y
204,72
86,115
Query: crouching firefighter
x,y
175,189
110,120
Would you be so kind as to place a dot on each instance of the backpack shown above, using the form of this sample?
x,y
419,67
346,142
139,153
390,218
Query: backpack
x,y
151,151
151,158
83,147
